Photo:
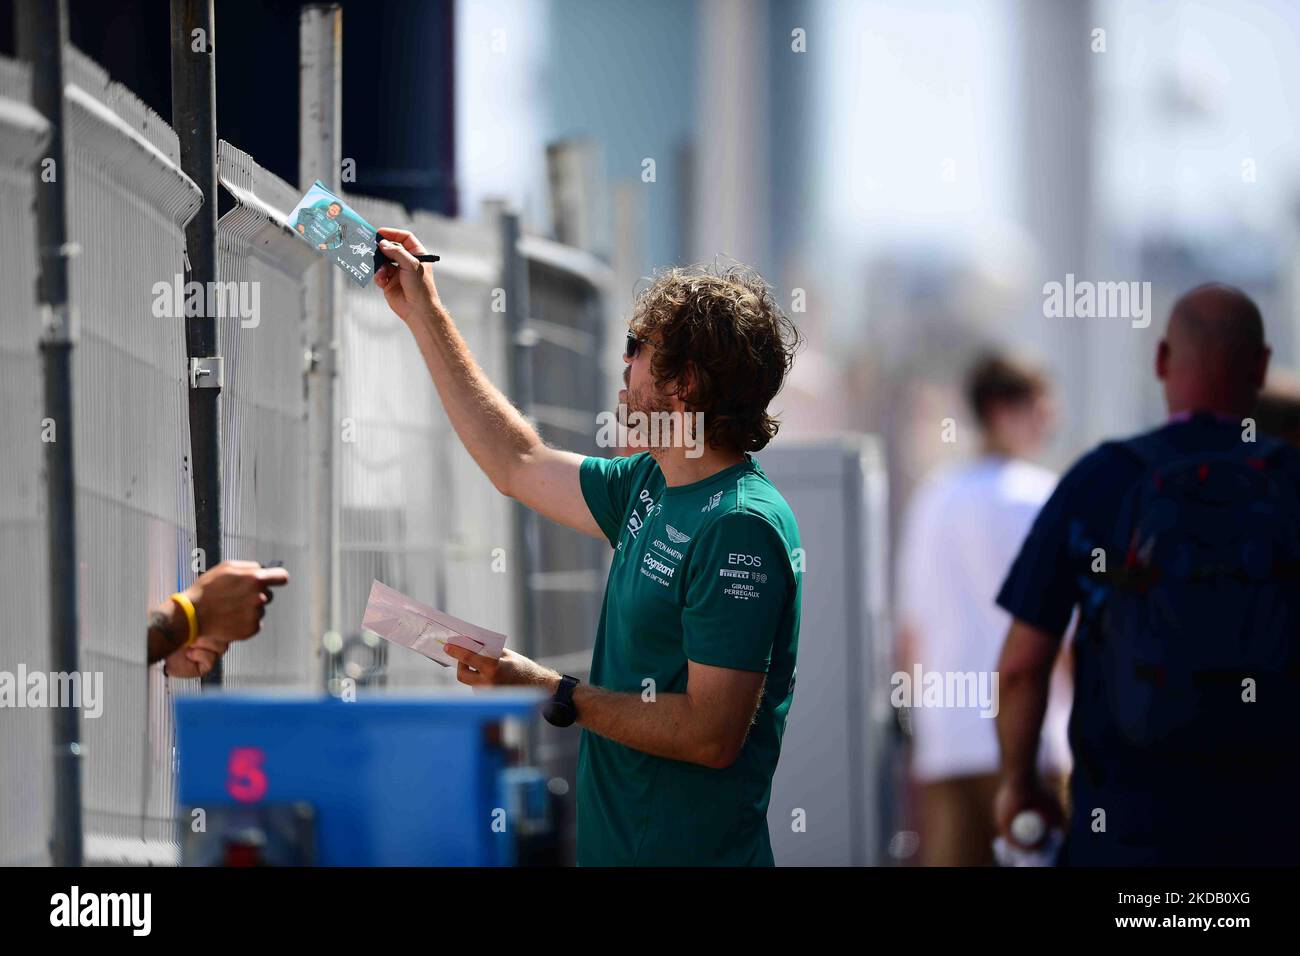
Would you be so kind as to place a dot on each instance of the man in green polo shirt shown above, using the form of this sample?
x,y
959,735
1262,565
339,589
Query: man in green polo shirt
x,y
693,670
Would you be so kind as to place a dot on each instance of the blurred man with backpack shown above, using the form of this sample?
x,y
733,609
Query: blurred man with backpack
x,y
1181,550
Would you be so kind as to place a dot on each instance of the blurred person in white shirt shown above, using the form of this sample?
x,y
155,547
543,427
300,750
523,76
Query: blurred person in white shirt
x,y
963,530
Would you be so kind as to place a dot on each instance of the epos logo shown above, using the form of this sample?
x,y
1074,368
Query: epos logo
x,y
749,559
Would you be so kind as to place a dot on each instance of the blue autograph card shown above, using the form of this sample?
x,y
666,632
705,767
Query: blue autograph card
x,y
336,231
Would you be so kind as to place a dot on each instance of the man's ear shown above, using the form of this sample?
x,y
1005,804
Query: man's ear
x,y
1261,371
1162,360
685,388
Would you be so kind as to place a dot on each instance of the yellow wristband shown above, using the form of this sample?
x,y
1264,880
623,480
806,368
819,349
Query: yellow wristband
x,y
191,615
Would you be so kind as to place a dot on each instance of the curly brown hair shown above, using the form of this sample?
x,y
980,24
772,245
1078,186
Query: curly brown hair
x,y
720,329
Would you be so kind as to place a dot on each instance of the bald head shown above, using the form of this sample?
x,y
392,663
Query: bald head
x,y
1213,356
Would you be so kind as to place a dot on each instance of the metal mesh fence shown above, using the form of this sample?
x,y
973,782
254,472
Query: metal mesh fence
x,y
25,738
414,510
568,322
127,205
263,413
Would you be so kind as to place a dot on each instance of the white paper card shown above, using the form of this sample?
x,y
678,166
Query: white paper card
x,y
402,620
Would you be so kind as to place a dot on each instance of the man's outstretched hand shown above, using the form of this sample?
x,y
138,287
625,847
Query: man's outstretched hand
x,y
231,599
229,602
407,284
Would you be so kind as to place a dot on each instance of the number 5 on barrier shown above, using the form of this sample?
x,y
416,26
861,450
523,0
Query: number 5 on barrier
x,y
247,780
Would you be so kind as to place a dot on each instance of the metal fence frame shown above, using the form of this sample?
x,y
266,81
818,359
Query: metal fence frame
x,y
414,509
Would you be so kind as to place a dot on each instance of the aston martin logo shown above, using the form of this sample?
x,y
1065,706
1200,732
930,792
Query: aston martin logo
x,y
676,537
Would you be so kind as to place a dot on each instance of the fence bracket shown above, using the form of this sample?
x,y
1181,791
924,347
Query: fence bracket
x,y
323,360
59,324
207,372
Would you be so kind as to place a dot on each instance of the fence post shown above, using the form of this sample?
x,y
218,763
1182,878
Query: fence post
x,y
320,33
194,117
520,341
42,30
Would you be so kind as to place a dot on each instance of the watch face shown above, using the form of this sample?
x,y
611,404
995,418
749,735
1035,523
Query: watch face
x,y
558,713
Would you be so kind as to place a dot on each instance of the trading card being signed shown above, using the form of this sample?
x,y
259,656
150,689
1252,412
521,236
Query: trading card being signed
x,y
335,230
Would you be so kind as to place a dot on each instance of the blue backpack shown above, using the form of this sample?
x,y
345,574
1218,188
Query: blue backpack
x,y
1203,612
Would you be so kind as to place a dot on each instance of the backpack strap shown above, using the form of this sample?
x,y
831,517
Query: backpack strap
x,y
1152,449
1148,450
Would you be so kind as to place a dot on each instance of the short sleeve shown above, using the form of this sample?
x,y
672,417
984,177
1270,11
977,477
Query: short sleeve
x,y
607,486
739,589
1042,586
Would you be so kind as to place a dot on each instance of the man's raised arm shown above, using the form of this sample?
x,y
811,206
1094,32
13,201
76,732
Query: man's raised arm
x,y
497,436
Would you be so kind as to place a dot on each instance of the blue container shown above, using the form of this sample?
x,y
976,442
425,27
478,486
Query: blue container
x,y
393,781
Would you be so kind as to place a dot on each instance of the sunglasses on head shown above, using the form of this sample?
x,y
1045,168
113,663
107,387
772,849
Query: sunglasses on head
x,y
633,345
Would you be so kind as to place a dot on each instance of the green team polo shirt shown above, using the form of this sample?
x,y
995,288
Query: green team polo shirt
x,y
701,572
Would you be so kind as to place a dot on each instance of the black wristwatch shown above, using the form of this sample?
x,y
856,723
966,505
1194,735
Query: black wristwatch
x,y
559,710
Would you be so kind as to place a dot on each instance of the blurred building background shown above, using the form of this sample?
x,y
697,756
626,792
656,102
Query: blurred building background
x,y
907,174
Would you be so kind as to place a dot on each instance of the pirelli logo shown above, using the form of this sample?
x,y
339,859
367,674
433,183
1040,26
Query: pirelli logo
x,y
729,573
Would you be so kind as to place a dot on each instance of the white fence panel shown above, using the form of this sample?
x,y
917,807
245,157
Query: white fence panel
x,y
264,415
416,512
414,509
127,205
25,779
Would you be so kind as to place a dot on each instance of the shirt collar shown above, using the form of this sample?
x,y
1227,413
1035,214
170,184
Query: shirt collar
x,y
1220,417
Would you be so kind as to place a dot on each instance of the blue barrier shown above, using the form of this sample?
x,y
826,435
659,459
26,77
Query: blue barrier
x,y
390,781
